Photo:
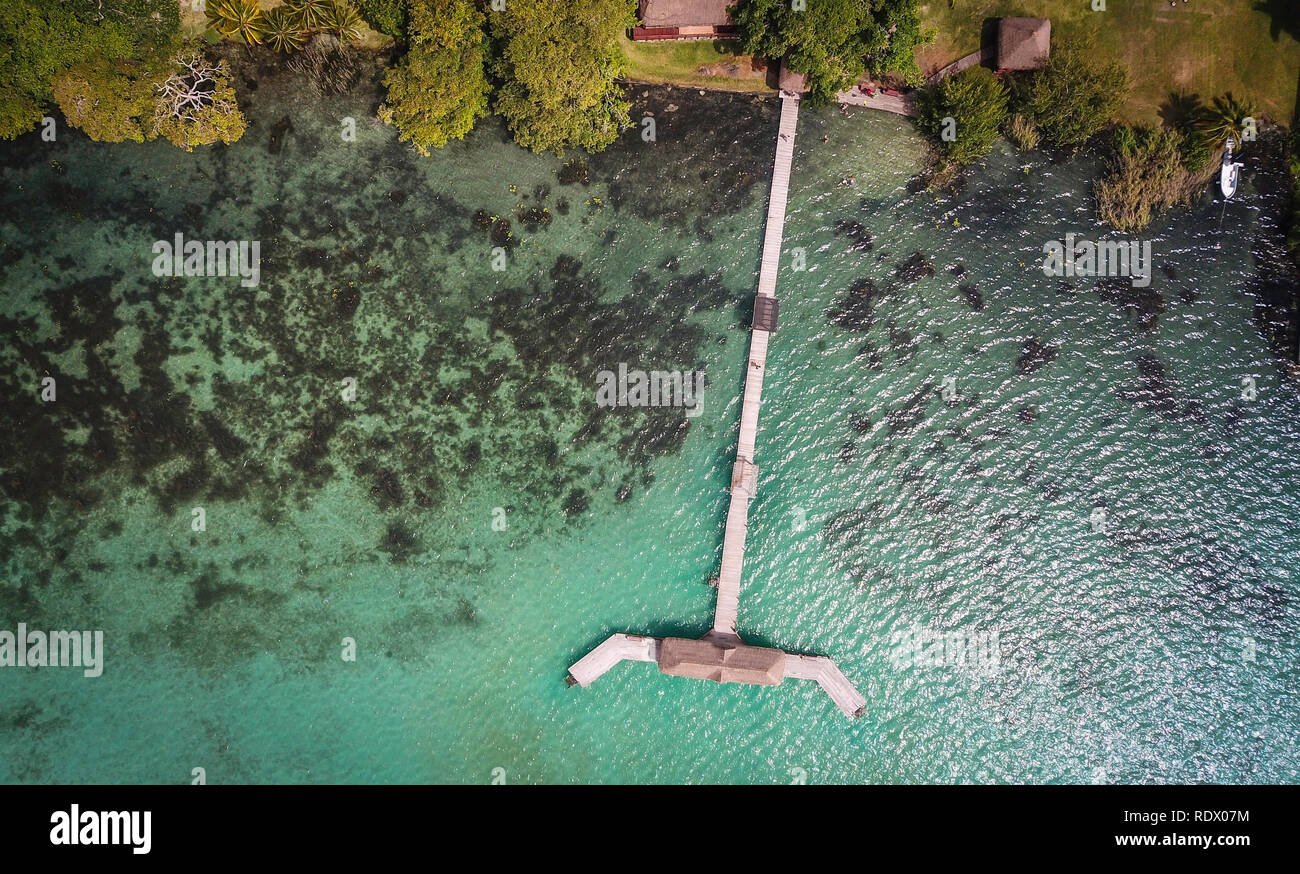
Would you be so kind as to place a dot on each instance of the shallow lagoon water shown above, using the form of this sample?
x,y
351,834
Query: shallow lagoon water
x,y
1125,652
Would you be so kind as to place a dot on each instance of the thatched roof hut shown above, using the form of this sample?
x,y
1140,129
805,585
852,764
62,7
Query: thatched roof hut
x,y
789,80
1023,43
706,660
685,13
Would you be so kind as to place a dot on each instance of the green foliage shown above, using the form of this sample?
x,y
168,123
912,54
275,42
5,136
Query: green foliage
x,y
440,89
39,38
239,20
342,18
1022,132
1295,149
976,101
198,107
1221,121
110,100
1195,153
1075,95
386,16
284,32
833,41
286,28
1146,173
557,65
311,14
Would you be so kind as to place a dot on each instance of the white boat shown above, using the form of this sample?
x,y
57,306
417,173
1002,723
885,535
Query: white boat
x,y
1229,173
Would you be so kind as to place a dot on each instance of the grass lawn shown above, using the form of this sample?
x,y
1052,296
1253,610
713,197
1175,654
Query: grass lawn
x,y
1203,47
694,63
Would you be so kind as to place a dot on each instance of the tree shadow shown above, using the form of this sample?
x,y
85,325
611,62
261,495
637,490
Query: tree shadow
x,y
1180,110
1285,15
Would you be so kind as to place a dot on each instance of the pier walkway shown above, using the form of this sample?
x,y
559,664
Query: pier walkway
x,y
721,655
745,473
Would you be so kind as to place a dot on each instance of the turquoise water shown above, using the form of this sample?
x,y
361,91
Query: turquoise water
x,y
1156,648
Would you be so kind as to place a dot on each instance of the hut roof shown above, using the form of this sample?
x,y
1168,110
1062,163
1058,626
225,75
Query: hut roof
x,y
1023,43
685,13
795,83
706,660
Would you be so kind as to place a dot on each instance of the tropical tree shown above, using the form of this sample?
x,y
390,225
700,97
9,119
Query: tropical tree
x,y
241,20
283,32
963,113
196,104
440,88
1222,121
311,14
342,18
110,100
40,38
558,65
832,41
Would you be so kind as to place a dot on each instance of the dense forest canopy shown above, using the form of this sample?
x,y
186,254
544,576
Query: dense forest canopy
x,y
41,38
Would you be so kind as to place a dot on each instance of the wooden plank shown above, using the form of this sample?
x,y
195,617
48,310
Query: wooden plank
x,y
615,648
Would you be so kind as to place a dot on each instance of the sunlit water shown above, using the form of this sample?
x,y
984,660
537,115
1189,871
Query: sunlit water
x,y
934,454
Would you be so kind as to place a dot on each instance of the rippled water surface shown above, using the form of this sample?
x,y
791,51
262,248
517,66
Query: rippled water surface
x,y
1092,485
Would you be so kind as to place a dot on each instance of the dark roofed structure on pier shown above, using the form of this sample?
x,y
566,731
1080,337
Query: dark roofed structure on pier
x,y
684,19
707,660
790,81
1023,43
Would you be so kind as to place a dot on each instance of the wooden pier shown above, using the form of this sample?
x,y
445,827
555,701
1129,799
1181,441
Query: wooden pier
x,y
745,473
721,655
899,104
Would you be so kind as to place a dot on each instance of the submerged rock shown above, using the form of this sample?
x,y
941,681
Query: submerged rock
x,y
1152,392
1034,356
914,268
860,238
855,309
973,297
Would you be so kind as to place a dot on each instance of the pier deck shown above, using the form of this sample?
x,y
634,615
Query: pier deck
x,y
615,648
733,542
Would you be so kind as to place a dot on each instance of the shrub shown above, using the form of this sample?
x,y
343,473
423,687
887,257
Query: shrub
x,y
386,16
1074,96
1022,132
111,101
972,106
1145,174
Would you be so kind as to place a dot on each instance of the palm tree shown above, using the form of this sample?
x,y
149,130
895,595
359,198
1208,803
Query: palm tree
x,y
241,20
343,19
1222,122
311,14
283,32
